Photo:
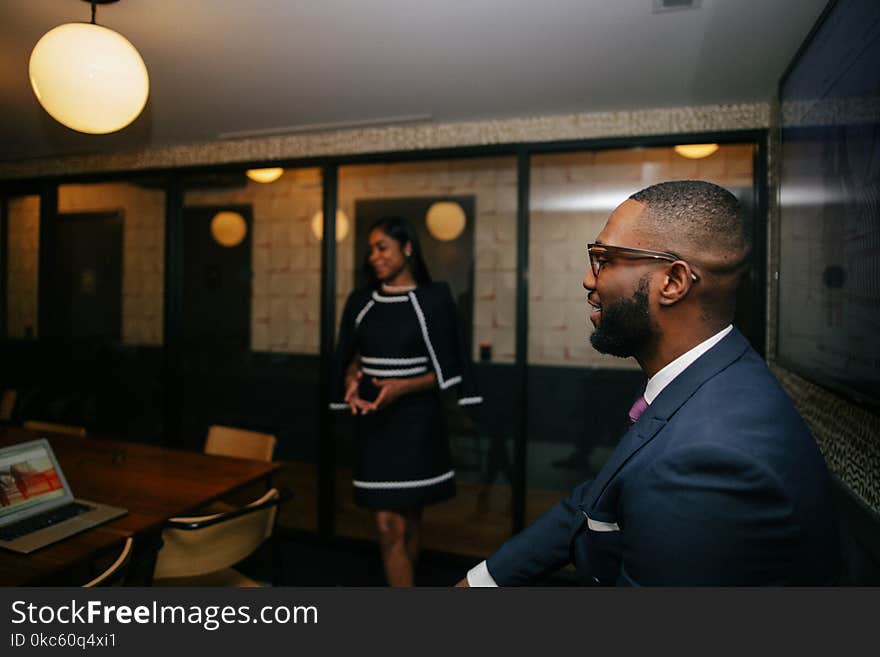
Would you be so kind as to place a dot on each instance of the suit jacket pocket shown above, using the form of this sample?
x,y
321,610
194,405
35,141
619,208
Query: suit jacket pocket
x,y
597,546
601,521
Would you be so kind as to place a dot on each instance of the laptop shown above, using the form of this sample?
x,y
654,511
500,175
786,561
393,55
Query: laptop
x,y
37,507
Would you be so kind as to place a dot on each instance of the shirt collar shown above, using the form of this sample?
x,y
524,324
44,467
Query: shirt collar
x,y
666,375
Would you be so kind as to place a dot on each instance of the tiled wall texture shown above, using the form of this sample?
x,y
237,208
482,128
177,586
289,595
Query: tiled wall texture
x,y
846,433
285,258
570,199
492,181
143,246
143,212
22,273
848,436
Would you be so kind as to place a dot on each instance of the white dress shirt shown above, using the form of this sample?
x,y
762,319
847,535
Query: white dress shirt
x,y
479,575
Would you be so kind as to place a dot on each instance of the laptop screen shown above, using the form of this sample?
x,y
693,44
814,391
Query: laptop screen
x,y
28,478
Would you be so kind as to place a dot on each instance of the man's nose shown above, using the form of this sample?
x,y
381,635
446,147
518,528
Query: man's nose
x,y
589,281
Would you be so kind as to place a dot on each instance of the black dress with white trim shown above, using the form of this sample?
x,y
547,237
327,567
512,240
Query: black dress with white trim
x,y
403,457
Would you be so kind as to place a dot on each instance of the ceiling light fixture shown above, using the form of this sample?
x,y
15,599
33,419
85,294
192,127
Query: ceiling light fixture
x,y
264,175
88,77
696,151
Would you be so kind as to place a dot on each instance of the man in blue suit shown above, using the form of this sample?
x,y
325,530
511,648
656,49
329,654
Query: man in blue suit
x,y
718,481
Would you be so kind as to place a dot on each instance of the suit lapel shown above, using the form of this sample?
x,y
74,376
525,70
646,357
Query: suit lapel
x,y
670,399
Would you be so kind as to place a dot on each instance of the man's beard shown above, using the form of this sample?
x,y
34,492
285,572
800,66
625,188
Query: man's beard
x,y
625,326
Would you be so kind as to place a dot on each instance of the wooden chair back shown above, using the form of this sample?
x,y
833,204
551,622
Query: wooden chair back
x,y
7,405
240,443
53,427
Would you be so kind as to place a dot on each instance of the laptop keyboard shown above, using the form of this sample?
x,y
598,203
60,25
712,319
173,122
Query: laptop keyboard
x,y
42,520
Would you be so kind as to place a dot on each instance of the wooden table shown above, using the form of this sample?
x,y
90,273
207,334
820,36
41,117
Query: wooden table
x,y
153,483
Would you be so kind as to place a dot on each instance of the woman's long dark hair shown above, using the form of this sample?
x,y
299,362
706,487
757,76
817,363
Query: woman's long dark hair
x,y
401,231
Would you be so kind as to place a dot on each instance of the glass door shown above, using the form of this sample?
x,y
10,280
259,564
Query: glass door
x,y
464,214
250,318
578,398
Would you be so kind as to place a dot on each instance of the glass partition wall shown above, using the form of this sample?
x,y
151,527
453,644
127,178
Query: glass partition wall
x,y
578,399
150,309
465,215
250,318
21,264
106,304
84,307
19,285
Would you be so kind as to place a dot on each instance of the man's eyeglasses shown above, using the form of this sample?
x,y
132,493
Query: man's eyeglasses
x,y
601,253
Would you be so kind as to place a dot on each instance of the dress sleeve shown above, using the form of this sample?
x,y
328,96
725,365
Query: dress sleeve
x,y
439,323
345,351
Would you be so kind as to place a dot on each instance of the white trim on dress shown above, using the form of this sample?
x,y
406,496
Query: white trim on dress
x,y
398,299
417,360
407,372
415,483
469,401
444,384
360,316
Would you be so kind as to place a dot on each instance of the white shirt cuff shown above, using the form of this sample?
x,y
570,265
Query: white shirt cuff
x,y
479,576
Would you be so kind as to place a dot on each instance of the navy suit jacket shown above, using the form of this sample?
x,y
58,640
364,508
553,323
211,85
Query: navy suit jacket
x,y
718,483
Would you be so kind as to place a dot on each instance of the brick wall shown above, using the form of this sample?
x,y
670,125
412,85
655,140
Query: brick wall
x,y
571,197
143,257
286,258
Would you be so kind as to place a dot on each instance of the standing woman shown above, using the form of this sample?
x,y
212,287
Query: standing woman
x,y
398,348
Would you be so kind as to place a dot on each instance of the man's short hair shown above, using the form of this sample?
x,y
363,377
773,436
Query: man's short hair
x,y
696,217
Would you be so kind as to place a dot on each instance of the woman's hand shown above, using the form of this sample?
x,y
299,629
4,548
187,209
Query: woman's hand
x,y
389,391
352,395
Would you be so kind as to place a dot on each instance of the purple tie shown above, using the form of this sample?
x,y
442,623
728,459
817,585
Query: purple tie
x,y
637,409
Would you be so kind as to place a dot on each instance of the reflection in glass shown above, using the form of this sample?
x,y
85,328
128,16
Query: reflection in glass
x,y
251,315
99,361
578,398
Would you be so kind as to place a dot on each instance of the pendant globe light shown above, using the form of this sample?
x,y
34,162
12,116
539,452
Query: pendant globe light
x,y
88,77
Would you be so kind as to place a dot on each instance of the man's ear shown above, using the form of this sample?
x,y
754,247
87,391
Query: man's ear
x,y
676,283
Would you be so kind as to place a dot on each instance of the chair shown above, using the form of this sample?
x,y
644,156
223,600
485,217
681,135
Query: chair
x,y
7,405
201,550
115,573
51,427
240,443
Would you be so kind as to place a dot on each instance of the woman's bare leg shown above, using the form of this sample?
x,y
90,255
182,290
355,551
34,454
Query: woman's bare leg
x,y
399,543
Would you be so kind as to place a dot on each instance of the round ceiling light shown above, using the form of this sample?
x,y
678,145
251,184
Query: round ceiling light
x,y
696,151
89,78
228,228
264,175
342,225
446,220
